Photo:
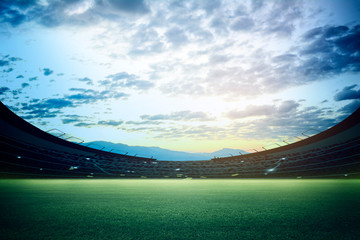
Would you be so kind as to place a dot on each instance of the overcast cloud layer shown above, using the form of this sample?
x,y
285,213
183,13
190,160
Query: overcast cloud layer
x,y
187,75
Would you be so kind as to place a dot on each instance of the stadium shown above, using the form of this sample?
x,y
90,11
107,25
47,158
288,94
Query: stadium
x,y
220,119
30,152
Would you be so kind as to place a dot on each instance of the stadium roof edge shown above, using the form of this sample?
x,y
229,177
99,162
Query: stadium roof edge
x,y
13,119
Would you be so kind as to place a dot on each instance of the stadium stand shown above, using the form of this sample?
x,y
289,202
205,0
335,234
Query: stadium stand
x,y
28,152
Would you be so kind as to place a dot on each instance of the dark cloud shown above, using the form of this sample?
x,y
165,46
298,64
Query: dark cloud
x,y
4,63
46,108
56,13
134,6
52,103
20,76
82,124
47,71
42,113
68,120
125,80
86,96
7,60
350,108
24,85
348,93
8,70
111,123
33,78
179,116
78,121
330,50
3,90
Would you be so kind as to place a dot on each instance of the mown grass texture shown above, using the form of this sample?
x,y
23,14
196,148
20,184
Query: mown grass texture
x,y
179,209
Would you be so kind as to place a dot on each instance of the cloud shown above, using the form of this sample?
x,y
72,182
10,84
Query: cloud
x,y
111,123
348,93
251,111
7,60
176,36
242,24
87,80
33,78
179,116
150,122
276,125
76,120
56,13
67,120
4,63
42,113
4,90
219,25
24,85
82,124
52,103
47,71
79,121
134,6
86,96
8,70
20,76
281,16
350,108
285,107
330,50
201,132
125,80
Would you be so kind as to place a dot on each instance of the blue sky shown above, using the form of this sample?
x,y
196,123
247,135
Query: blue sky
x,y
184,75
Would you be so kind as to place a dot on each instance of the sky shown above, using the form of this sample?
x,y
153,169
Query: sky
x,y
194,76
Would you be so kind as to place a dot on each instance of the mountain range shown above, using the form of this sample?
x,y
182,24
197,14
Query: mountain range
x,y
161,153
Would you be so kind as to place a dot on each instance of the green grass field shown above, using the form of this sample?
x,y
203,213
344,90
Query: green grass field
x,y
180,209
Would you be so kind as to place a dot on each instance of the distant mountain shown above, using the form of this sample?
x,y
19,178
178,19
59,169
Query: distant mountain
x,y
160,153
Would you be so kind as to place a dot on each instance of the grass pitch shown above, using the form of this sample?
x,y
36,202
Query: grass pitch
x,y
179,209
